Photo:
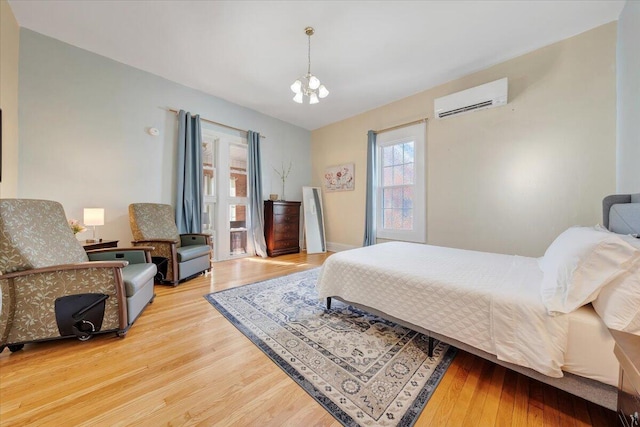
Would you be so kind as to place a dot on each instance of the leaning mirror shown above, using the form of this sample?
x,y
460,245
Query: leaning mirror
x,y
313,220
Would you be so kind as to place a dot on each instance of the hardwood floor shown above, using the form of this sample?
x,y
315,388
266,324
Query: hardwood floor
x,y
182,363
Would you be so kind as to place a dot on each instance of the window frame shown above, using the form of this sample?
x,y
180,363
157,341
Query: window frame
x,y
417,134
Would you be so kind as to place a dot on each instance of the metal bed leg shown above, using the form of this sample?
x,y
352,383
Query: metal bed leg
x,y
430,353
328,303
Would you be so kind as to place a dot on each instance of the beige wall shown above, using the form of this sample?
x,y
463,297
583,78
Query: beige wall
x,y
9,42
628,79
508,179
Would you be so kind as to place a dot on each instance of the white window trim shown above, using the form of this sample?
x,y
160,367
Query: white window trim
x,y
417,134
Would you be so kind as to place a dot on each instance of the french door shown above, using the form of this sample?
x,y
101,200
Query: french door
x,y
226,194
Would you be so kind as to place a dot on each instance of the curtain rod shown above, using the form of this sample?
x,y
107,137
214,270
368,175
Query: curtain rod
x,y
400,126
216,123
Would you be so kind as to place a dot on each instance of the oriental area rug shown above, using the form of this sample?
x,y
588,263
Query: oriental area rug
x,y
364,370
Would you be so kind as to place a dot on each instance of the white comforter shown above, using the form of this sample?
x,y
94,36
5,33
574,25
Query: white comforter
x,y
489,301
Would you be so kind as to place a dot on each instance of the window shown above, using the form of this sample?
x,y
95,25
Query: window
x,y
401,213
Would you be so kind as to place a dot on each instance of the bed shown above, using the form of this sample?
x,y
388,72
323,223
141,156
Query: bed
x,y
491,305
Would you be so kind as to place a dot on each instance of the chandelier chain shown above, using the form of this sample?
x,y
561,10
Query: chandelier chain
x,y
309,55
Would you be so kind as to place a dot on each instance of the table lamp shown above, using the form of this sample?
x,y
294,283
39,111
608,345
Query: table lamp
x,y
93,217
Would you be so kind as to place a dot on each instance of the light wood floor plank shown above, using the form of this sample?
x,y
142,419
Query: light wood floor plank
x,y
492,401
535,415
460,399
439,408
521,402
479,395
183,363
504,417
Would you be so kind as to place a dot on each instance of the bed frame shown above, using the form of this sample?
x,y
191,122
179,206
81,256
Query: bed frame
x,y
621,214
591,390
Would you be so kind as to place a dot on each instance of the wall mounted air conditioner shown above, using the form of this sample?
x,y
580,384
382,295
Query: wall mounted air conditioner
x,y
488,95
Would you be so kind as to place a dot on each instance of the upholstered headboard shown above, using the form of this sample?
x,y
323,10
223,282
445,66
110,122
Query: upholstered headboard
x,y
621,213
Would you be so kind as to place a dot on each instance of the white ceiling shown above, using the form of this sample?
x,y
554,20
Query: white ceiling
x,y
367,53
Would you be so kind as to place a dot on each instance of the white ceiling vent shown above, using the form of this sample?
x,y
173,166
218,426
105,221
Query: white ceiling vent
x,y
488,95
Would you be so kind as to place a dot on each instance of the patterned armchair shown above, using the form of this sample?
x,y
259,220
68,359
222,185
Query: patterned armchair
x,y
48,287
188,255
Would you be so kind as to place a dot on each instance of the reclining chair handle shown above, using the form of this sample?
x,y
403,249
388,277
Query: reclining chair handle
x,y
78,316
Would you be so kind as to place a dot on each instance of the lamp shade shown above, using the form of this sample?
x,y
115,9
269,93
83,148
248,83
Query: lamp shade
x,y
322,91
93,216
296,87
314,82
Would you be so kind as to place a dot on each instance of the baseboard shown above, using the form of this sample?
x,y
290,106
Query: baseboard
x,y
339,247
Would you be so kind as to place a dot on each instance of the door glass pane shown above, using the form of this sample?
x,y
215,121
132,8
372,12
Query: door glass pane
x,y
238,229
238,171
208,168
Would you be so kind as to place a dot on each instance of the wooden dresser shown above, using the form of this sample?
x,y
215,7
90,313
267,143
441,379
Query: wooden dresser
x,y
282,227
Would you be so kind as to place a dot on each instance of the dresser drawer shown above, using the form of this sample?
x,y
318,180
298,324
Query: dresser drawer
x,y
286,210
286,244
286,219
286,234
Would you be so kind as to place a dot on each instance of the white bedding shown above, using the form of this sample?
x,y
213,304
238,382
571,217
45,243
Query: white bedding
x,y
489,301
590,348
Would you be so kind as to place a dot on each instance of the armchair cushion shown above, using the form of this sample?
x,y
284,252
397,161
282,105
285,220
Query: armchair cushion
x,y
150,221
185,253
35,234
136,276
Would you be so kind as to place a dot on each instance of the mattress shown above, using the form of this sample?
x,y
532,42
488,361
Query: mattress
x,y
489,301
590,348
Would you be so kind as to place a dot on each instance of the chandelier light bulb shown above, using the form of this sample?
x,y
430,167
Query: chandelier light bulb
x,y
298,98
313,98
314,83
322,91
296,87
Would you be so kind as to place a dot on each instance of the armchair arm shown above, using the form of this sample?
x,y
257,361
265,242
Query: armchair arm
x,y
28,313
145,241
165,248
135,255
64,267
191,239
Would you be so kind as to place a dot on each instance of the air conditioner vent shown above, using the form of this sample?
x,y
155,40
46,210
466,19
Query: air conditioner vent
x,y
465,109
488,95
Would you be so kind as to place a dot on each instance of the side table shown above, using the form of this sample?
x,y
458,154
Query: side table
x,y
100,244
627,351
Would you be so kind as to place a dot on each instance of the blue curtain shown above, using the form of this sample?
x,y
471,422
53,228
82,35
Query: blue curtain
x,y
256,205
189,175
370,209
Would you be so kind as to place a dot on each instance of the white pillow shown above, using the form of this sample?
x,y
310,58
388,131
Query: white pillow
x,y
618,303
579,263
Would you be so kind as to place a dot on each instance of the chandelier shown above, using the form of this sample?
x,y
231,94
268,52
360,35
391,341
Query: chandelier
x,y
309,84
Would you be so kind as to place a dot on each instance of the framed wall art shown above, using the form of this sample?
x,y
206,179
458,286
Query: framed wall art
x,y
340,178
